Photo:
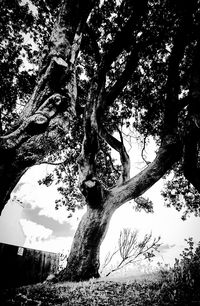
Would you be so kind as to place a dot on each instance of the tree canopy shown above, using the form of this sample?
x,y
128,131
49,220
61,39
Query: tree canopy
x,y
143,73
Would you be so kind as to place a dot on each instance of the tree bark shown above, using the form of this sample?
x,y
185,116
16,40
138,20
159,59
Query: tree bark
x,y
11,170
83,262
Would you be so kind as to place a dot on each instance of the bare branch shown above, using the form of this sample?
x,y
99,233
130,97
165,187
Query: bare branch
x,y
51,163
108,259
131,250
143,150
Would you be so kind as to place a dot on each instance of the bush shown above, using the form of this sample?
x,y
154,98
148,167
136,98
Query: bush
x,y
180,284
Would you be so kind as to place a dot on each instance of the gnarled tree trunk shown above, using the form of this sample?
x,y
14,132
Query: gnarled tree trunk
x,y
83,261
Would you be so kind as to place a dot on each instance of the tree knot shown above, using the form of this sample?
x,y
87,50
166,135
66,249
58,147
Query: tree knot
x,y
93,191
90,183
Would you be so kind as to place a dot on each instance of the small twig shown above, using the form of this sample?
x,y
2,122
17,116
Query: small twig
x,y
52,163
143,150
108,259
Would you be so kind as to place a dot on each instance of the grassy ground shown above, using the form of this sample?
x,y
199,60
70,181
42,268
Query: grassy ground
x,y
143,292
94,292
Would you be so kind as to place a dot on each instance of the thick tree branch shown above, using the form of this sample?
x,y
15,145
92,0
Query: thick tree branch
x,y
192,139
194,92
1,126
177,53
57,73
120,148
169,153
111,140
125,161
93,39
34,124
191,168
122,80
74,13
89,184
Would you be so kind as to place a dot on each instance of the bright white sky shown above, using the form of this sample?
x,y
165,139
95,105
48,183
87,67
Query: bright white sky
x,y
35,223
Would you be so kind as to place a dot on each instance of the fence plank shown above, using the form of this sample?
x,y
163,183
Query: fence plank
x,y
23,266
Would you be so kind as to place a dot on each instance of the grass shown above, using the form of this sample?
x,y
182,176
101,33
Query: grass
x,y
152,291
93,292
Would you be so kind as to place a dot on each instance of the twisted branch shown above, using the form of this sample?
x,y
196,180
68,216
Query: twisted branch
x,y
120,148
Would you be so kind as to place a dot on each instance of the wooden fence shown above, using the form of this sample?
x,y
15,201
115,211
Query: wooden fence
x,y
23,266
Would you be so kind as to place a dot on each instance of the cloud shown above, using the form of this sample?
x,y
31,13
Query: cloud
x,y
41,238
166,247
30,195
58,229
34,231
60,215
55,244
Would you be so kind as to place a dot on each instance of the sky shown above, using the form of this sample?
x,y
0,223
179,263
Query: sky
x,y
29,219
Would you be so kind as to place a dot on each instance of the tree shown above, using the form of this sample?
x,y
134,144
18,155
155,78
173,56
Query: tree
x,y
107,65
131,250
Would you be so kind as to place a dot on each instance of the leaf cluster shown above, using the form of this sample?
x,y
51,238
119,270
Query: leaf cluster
x,y
178,192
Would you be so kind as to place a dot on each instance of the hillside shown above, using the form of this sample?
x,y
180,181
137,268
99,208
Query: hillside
x,y
95,293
